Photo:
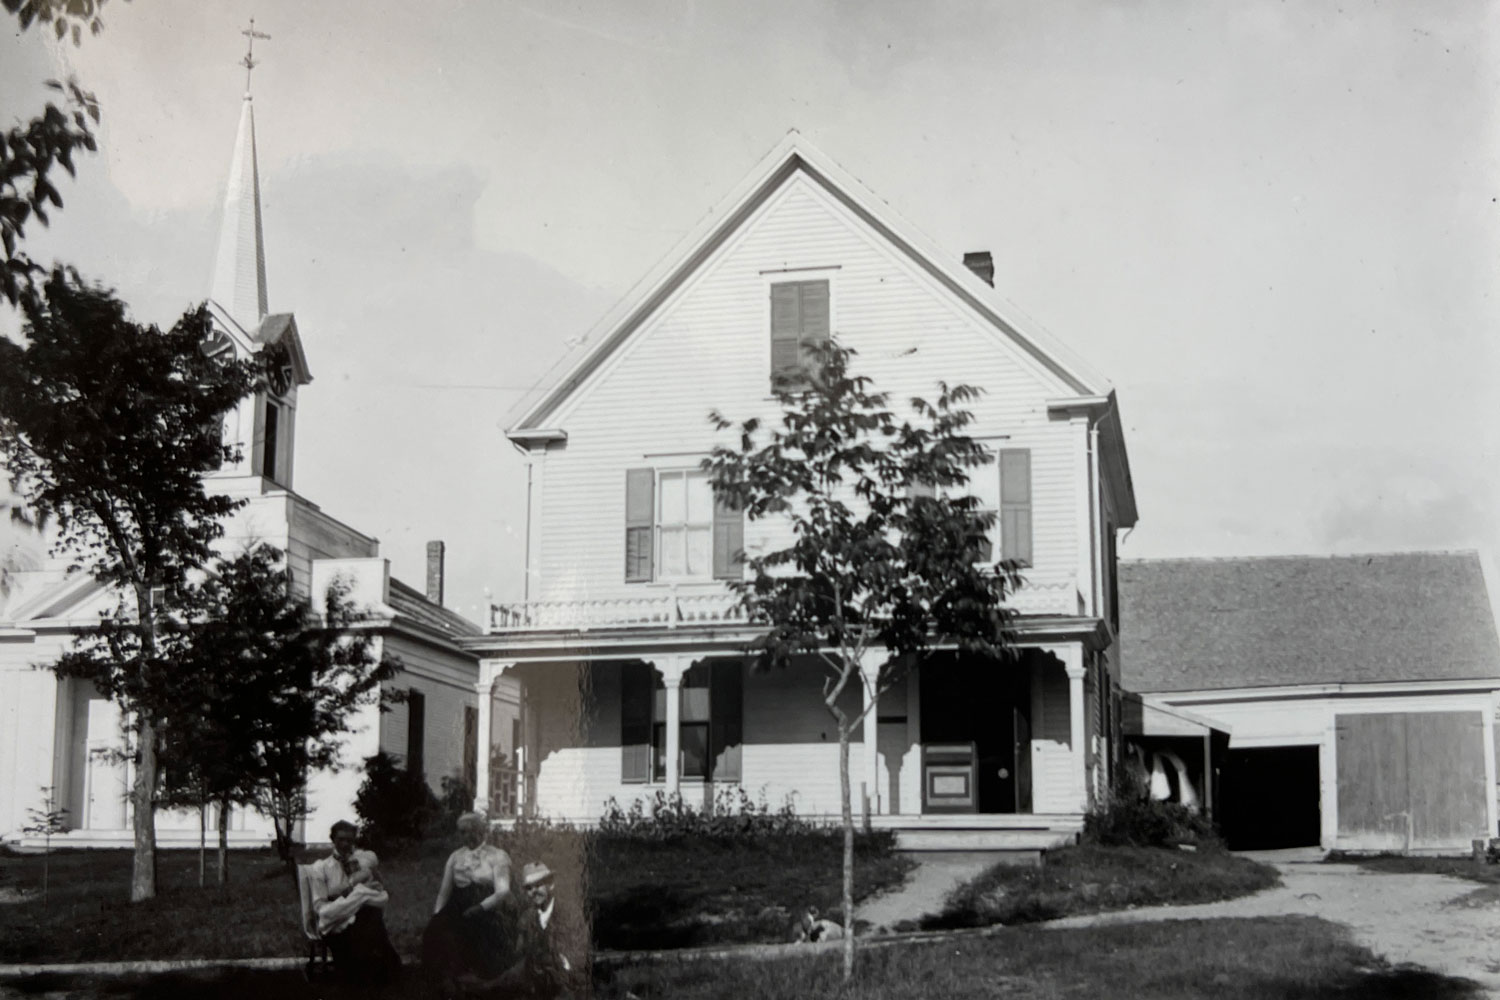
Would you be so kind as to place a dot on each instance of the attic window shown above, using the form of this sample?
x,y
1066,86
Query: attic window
x,y
799,320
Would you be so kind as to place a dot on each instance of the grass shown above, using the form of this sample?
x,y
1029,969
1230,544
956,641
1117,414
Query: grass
x,y
1091,879
1285,958
644,895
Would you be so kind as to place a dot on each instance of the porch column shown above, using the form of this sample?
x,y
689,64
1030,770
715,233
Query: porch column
x,y
488,671
869,675
671,669
1073,663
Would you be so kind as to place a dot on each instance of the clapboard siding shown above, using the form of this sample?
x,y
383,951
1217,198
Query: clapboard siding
x,y
447,685
708,348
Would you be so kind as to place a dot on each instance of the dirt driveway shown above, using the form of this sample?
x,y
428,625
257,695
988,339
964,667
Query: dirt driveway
x,y
1446,924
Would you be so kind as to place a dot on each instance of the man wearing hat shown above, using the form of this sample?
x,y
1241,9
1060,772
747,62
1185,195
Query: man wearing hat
x,y
542,942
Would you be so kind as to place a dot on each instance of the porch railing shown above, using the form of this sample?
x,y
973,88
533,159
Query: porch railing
x,y
674,609
512,793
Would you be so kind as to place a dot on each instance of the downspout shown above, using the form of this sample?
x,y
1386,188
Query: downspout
x,y
1095,501
526,583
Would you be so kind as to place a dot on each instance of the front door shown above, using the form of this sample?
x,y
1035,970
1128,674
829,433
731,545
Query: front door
x,y
969,700
105,786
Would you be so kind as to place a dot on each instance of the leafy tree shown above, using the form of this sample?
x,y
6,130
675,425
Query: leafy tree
x,y
280,680
888,553
106,428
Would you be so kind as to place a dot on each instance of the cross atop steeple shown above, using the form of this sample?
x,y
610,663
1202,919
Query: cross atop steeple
x,y
249,61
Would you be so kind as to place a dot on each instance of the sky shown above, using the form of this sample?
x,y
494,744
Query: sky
x,y
1274,226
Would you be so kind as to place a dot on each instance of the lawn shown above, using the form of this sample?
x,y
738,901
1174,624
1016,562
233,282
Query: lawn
x,y
1091,879
1286,958
643,894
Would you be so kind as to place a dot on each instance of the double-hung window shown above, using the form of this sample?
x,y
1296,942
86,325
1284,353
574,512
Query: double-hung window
x,y
710,722
675,530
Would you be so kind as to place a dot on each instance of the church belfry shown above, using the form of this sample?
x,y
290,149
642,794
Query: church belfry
x,y
264,424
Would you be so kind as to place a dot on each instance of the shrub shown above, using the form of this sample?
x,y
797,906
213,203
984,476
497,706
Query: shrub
x,y
395,806
732,815
1127,820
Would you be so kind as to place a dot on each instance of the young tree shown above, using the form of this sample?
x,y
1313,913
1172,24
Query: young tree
x,y
106,428
281,680
889,557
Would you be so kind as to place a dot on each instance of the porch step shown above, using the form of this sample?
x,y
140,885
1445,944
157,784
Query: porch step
x,y
1029,842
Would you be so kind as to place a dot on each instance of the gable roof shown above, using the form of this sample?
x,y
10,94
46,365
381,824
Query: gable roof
x,y
1204,624
412,604
795,155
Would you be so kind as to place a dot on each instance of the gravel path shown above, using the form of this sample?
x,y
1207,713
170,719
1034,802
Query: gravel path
x,y
1419,919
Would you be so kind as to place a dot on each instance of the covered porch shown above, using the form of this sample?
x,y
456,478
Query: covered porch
x,y
959,754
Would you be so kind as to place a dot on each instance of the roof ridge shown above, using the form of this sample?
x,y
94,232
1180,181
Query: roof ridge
x,y
1304,557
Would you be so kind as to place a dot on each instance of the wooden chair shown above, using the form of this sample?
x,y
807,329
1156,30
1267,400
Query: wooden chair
x,y
317,948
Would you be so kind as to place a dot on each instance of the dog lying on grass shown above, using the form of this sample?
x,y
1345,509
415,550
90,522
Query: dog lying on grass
x,y
813,927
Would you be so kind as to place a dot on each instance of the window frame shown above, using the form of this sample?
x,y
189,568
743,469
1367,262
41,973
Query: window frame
x,y
687,526
826,273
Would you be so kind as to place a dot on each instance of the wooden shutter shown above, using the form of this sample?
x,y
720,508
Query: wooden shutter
x,y
729,542
416,713
640,516
726,694
814,313
1015,505
636,684
786,329
471,748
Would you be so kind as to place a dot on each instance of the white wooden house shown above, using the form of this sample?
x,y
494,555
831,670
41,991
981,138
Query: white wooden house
x,y
628,654
1358,693
51,730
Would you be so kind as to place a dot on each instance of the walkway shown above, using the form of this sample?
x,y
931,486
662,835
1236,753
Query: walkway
x,y
1448,925
937,873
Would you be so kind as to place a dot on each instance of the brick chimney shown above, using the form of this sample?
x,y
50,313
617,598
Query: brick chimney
x,y
982,264
435,552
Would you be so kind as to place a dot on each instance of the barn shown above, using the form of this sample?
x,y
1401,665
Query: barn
x,y
1358,692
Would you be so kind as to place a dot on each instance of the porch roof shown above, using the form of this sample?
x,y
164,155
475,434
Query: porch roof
x,y
724,639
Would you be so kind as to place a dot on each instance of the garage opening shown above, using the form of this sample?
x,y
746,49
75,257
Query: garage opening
x,y
1270,798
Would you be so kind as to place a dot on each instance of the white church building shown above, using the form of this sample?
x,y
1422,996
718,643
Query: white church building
x,y
54,733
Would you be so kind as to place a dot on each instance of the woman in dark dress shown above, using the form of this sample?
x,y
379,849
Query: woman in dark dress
x,y
470,934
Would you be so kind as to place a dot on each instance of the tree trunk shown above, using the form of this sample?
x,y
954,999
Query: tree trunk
x,y
848,817
202,839
223,841
142,795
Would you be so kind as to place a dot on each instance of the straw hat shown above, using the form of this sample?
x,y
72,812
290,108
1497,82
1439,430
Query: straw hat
x,y
533,872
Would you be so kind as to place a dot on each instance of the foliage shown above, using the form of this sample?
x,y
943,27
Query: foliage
x,y
1125,820
890,556
1089,879
455,797
65,16
30,151
733,814
395,807
47,822
106,428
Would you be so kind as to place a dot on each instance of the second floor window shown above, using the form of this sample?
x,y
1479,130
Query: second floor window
x,y
674,529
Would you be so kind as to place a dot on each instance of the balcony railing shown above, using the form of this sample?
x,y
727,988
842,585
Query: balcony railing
x,y
674,609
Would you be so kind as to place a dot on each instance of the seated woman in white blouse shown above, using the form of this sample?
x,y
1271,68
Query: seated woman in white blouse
x,y
471,930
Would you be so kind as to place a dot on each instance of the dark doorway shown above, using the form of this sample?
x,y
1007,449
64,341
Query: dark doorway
x,y
987,703
1270,798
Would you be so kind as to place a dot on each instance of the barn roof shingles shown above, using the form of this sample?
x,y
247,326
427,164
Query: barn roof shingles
x,y
1204,624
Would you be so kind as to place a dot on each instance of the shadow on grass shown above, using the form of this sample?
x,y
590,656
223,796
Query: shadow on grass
x,y
1294,958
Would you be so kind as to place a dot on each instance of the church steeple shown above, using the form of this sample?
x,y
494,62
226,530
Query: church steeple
x,y
239,284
